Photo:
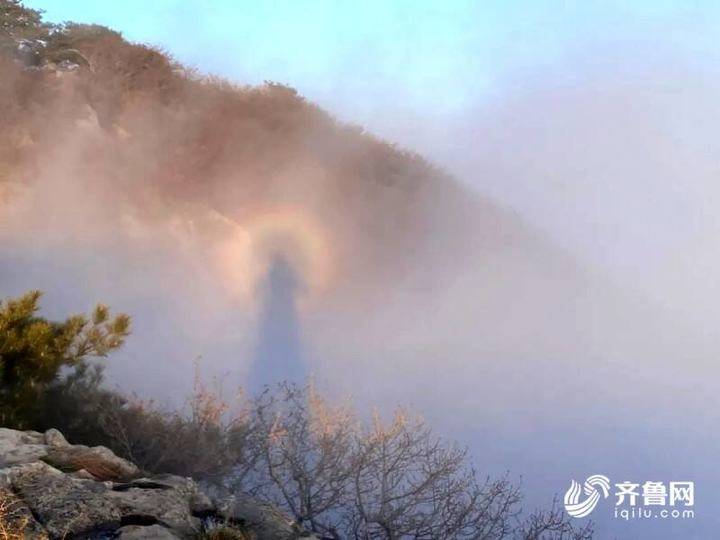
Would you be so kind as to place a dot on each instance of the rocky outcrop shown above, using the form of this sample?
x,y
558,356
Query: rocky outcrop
x,y
52,489
268,521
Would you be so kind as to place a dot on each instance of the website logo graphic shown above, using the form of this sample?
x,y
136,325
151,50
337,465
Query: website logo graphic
x,y
592,488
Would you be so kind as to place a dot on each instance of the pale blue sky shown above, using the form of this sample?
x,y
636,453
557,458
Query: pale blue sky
x,y
359,58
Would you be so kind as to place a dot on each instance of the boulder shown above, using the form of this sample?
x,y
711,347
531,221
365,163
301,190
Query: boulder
x,y
150,502
99,461
264,520
53,437
18,447
198,502
65,506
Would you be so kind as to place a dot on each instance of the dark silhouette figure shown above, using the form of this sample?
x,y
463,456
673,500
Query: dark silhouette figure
x,y
278,352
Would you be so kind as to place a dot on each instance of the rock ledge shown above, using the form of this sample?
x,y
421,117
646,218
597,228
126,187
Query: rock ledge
x,y
52,489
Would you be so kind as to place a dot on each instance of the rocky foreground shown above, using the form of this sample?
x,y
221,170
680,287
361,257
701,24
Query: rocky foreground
x,y
52,489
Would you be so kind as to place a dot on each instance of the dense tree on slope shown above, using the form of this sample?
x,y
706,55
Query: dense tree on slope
x,y
17,21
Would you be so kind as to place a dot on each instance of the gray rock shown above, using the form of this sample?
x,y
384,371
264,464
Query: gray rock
x,y
21,437
166,506
99,461
54,438
153,532
263,519
82,474
59,490
18,447
198,502
63,505
9,474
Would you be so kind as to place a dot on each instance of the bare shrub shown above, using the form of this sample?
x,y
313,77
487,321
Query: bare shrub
x,y
407,482
305,456
342,478
206,441
552,525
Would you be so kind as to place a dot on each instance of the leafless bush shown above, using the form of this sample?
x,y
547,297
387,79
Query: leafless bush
x,y
552,525
408,483
205,440
387,480
305,455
